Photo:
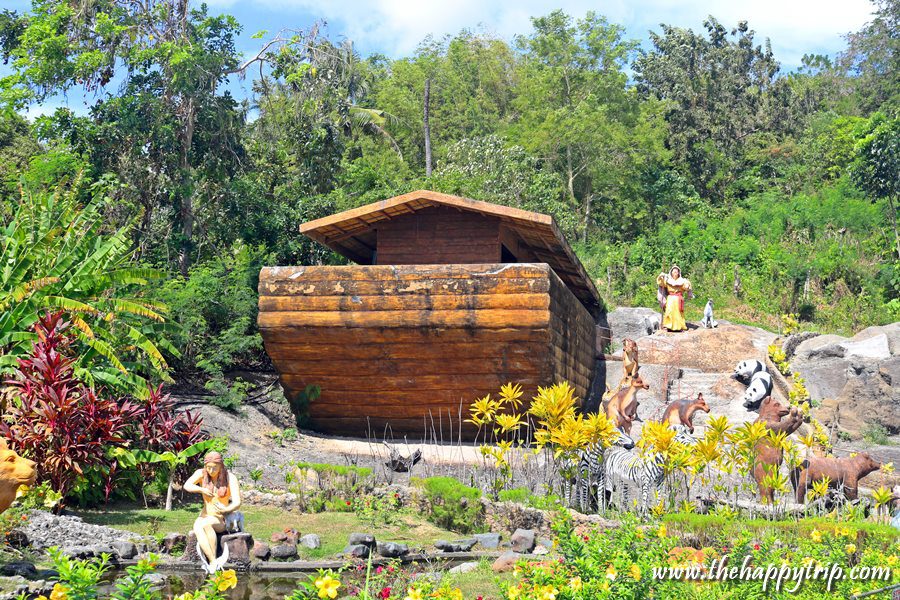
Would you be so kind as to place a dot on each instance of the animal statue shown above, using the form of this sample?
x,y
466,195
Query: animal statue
x,y
15,472
746,369
630,363
768,457
610,392
624,467
708,321
760,387
681,412
622,406
842,473
590,472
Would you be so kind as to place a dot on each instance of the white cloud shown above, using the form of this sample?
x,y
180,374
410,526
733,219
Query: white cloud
x,y
396,27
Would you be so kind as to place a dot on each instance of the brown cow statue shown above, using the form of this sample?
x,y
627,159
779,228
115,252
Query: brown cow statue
x,y
842,473
15,472
681,412
622,407
773,413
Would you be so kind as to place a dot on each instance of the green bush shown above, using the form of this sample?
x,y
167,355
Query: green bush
x,y
520,495
451,504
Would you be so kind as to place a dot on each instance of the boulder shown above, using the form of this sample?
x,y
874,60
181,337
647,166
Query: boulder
x,y
19,568
239,546
357,551
488,541
505,562
286,536
466,567
522,541
311,541
392,549
125,550
855,378
365,539
628,322
284,552
261,550
456,545
173,542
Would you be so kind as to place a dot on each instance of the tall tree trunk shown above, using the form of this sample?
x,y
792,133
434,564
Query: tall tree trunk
x,y
894,223
187,208
170,489
427,128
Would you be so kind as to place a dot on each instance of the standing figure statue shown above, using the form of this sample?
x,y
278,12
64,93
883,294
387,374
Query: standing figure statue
x,y
708,320
221,498
672,289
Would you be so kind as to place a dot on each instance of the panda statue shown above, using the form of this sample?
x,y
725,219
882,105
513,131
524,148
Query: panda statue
x,y
746,369
760,387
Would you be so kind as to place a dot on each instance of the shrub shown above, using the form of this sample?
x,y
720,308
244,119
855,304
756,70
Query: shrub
x,y
56,420
452,505
875,434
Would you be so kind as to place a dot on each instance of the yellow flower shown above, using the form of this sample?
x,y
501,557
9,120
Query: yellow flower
x,y
60,592
513,593
413,594
185,596
42,597
662,531
635,572
548,592
892,560
850,548
605,586
226,580
327,586
816,536
845,531
611,572
575,583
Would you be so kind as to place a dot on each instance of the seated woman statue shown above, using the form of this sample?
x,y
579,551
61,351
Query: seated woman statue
x,y
221,498
672,290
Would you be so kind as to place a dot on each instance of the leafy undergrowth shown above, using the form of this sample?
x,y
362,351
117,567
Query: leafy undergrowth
x,y
333,528
707,527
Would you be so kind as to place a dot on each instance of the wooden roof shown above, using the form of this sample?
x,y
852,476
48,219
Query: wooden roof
x,y
347,233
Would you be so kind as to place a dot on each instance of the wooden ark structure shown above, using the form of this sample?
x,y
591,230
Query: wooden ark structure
x,y
450,299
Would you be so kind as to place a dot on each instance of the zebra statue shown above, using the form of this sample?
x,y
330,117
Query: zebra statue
x,y
621,465
590,474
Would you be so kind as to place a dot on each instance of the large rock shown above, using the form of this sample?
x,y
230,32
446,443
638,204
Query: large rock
x,y
125,550
522,541
311,541
173,542
627,322
856,379
456,545
261,550
365,539
357,551
239,546
392,549
488,540
284,552
505,562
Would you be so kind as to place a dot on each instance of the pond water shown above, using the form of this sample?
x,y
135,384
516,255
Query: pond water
x,y
255,586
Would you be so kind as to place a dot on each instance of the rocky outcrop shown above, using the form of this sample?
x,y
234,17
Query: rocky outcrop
x,y
857,379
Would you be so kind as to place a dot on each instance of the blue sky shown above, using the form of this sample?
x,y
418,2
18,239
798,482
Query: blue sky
x,y
395,27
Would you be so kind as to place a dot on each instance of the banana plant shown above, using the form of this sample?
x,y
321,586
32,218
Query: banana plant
x,y
173,460
55,254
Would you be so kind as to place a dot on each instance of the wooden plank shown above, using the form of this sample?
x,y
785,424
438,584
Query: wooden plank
x,y
403,272
433,286
423,383
407,302
431,335
320,351
478,319
447,365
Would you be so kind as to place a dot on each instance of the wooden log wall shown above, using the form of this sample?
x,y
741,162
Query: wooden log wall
x,y
413,346
439,235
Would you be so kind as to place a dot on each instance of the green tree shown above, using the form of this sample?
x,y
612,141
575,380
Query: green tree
x,y
718,93
575,110
876,168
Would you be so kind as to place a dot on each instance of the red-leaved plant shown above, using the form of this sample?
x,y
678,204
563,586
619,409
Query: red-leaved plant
x,y
56,420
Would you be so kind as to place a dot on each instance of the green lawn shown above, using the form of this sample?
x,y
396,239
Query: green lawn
x,y
332,527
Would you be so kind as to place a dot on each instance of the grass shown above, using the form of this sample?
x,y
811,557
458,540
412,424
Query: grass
x,y
703,525
480,582
333,528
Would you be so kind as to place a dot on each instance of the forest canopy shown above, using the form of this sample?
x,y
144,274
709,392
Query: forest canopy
x,y
775,191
